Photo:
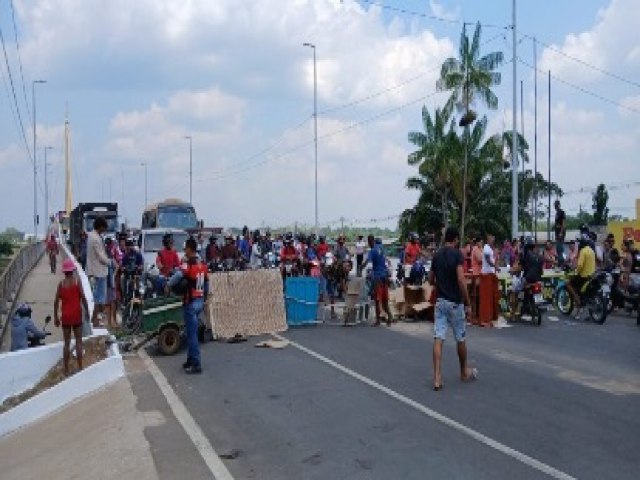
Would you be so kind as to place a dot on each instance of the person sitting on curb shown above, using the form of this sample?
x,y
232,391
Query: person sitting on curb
x,y
21,327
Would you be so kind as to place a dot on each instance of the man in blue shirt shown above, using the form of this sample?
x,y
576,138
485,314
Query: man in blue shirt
x,y
380,275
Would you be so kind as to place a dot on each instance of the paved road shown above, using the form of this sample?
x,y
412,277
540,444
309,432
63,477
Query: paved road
x,y
564,395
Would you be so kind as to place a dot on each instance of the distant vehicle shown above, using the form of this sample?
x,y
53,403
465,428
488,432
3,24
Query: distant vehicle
x,y
82,218
150,243
170,213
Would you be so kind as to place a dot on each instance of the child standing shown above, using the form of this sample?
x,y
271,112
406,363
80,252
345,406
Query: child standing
x,y
70,295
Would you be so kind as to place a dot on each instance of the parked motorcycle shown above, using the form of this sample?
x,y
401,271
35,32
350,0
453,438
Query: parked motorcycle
x,y
628,300
37,341
133,298
594,296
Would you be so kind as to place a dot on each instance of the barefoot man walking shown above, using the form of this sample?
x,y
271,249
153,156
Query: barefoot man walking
x,y
452,305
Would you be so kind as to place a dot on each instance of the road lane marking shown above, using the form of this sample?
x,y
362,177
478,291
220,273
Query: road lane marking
x,y
191,428
515,454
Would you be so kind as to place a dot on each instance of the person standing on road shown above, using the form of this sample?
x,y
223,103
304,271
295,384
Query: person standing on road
x,y
52,251
560,230
360,247
380,275
452,305
196,275
70,299
98,268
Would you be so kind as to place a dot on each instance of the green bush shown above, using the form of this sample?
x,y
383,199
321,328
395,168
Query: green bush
x,y
6,248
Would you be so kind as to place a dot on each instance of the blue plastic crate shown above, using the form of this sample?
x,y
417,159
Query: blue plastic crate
x,y
301,300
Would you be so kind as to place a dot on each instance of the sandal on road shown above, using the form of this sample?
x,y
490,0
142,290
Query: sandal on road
x,y
472,376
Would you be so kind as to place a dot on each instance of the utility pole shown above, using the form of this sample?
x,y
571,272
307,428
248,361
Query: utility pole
x,y
514,139
315,127
35,161
535,140
46,186
549,153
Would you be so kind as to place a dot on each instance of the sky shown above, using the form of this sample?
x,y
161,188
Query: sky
x,y
137,77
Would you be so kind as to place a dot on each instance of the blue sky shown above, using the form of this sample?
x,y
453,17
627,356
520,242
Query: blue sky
x,y
139,76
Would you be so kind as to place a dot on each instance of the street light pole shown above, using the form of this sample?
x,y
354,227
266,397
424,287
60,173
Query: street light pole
x,y
315,127
46,185
514,135
144,164
188,137
35,161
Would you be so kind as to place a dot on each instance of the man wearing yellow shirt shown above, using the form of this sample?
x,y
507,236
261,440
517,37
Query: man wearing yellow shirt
x,y
585,268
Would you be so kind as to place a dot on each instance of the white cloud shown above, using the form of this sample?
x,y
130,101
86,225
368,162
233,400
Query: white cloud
x,y
612,44
439,10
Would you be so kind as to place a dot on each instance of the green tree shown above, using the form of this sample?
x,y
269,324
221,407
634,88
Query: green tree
x,y
600,209
467,77
435,156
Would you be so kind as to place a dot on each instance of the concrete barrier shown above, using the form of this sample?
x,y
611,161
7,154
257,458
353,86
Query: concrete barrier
x,y
49,401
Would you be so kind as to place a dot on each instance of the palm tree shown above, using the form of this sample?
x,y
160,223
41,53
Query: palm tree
x,y
468,77
435,153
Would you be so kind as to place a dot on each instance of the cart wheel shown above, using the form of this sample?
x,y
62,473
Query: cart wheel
x,y
169,340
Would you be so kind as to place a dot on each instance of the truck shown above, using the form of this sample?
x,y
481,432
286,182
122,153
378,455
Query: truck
x,y
82,217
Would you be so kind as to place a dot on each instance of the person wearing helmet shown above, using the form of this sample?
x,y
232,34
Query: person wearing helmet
x,y
288,253
585,268
67,312
21,327
412,250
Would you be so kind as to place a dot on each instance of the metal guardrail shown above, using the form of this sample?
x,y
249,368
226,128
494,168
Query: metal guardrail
x,y
12,278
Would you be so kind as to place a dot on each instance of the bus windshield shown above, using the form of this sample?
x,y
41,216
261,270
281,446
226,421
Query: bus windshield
x,y
177,216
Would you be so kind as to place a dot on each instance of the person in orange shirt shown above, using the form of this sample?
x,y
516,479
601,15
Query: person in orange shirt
x,y
412,251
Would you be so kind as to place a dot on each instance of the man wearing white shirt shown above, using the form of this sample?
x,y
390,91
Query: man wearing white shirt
x,y
488,257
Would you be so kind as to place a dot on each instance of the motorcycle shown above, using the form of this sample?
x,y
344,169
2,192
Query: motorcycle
x,y
531,302
37,341
594,296
628,299
269,260
133,298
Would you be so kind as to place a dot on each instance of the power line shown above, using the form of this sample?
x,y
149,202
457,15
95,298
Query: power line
x,y
582,89
426,15
586,64
15,31
394,87
15,99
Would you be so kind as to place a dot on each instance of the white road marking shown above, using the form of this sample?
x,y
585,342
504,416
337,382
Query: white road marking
x,y
515,454
208,454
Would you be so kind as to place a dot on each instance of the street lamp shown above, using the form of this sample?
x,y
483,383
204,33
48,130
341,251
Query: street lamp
x,y
35,163
144,164
188,137
46,185
315,124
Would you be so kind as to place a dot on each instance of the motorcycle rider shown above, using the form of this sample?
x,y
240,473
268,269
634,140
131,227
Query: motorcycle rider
x,y
229,251
341,252
21,327
322,248
585,268
526,272
167,259
288,254
633,270
412,250
132,265
212,253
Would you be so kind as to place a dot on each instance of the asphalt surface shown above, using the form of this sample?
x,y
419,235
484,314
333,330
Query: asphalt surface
x,y
566,394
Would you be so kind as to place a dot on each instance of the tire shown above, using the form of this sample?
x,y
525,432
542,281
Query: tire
x,y
169,340
564,302
598,308
536,313
131,320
